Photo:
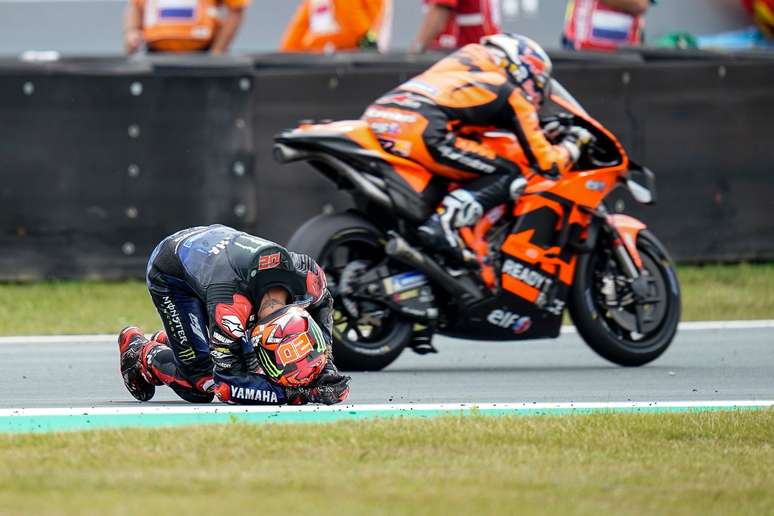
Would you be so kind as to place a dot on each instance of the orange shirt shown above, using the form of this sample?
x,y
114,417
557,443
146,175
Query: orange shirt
x,y
182,25
331,25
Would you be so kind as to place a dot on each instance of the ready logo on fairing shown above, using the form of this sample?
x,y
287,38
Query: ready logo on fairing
x,y
506,319
529,276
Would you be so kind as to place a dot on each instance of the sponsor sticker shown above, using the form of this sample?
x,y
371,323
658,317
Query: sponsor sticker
x,y
398,147
421,86
526,275
252,394
391,114
233,325
403,100
268,261
196,327
220,246
405,281
385,127
507,319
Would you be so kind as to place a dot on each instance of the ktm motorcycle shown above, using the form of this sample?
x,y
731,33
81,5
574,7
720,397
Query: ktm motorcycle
x,y
557,247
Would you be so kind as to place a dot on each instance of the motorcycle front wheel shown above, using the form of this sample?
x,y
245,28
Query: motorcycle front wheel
x,y
624,328
366,336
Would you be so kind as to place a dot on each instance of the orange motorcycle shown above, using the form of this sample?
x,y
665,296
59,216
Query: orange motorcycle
x,y
557,247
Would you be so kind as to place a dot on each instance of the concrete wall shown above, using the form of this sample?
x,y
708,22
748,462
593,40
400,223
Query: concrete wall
x,y
94,26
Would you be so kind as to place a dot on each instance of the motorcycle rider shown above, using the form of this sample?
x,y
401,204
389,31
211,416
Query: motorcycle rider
x,y
500,83
210,285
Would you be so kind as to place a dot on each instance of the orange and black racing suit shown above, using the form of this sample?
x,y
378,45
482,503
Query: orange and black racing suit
x,y
422,118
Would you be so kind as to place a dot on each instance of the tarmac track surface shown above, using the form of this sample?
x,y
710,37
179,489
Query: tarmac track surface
x,y
704,365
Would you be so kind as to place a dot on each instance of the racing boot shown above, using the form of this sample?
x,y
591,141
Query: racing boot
x,y
131,345
160,337
458,209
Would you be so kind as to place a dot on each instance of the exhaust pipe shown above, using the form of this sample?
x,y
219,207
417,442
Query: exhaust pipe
x,y
398,248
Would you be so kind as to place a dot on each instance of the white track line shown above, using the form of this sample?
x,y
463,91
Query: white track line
x,y
419,407
102,337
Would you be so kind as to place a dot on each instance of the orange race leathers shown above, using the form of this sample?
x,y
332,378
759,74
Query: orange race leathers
x,y
333,25
422,120
182,25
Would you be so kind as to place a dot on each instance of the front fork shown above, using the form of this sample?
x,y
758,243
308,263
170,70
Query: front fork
x,y
623,231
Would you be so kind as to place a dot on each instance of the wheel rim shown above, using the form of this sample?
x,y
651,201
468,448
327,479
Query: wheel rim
x,y
635,324
357,323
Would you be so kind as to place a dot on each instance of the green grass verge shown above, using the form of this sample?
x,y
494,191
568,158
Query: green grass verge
x,y
727,292
695,463
709,293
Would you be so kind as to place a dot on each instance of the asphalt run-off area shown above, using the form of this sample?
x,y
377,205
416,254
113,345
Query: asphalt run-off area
x,y
72,382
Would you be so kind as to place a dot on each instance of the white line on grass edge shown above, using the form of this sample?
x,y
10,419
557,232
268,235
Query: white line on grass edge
x,y
104,337
405,407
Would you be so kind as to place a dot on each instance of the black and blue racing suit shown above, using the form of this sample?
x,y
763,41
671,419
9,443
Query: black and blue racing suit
x,y
206,283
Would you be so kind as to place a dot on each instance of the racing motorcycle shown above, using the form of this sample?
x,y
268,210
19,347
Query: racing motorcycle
x,y
557,247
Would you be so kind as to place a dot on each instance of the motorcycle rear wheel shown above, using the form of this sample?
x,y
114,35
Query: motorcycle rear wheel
x,y
609,331
337,241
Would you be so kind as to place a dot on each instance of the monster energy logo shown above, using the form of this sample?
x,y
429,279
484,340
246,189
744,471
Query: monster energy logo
x,y
186,355
173,321
319,340
268,364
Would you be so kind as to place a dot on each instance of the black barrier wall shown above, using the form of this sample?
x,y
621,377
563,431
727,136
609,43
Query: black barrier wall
x,y
101,158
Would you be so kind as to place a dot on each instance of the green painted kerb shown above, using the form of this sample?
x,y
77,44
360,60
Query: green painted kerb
x,y
59,423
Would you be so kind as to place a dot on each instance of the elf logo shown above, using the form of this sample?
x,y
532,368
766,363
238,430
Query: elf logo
x,y
506,319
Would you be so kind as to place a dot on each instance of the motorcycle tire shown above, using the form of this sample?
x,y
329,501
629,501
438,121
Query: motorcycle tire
x,y
601,331
319,237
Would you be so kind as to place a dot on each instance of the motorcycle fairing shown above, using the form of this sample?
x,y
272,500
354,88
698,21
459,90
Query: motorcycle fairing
x,y
506,317
411,188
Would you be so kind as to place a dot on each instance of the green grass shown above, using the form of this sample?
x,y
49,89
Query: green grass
x,y
73,307
694,463
709,293
724,292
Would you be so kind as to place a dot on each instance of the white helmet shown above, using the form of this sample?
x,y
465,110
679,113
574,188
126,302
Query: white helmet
x,y
525,62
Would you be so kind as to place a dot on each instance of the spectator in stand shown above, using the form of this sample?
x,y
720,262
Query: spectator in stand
x,y
182,25
334,25
604,25
452,24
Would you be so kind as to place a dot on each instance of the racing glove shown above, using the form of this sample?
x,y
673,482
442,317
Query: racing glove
x,y
575,140
328,389
554,131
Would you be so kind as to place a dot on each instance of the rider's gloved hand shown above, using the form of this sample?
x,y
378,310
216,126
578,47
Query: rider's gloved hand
x,y
329,375
575,140
327,389
554,131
